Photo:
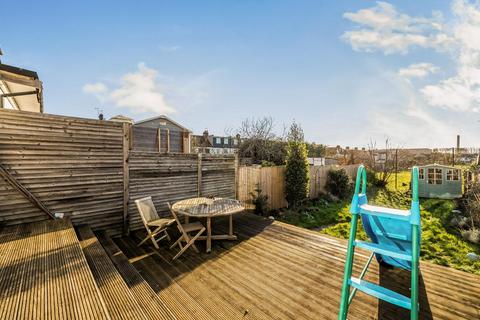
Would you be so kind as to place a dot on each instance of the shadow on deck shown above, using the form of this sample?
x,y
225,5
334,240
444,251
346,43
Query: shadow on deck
x,y
278,271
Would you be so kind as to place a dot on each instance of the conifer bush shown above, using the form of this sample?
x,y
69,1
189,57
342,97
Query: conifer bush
x,y
297,167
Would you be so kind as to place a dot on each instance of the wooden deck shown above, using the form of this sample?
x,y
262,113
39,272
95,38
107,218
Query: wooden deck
x,y
278,271
274,271
44,274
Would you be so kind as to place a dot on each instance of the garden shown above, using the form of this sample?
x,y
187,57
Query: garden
x,y
442,240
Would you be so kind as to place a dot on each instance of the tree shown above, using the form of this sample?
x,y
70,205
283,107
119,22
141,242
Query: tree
x,y
385,162
297,168
316,150
259,142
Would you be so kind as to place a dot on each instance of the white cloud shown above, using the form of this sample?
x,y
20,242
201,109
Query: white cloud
x,y
383,28
409,121
417,70
461,92
95,88
139,92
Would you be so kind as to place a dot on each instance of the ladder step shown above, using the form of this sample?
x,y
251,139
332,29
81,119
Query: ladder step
x,y
391,252
381,293
397,214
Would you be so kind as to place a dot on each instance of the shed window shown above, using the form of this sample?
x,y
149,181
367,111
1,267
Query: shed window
x,y
434,176
453,175
421,174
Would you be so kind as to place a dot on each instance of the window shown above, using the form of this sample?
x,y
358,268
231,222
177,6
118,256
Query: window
x,y
218,140
453,175
421,174
225,140
163,123
434,176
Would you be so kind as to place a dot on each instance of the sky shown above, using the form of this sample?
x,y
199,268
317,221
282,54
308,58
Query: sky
x,y
349,72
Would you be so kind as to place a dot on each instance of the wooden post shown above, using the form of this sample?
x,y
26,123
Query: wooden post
x,y
159,137
24,191
236,176
396,167
168,140
126,174
199,174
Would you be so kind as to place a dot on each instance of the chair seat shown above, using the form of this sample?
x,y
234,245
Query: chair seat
x,y
192,226
163,222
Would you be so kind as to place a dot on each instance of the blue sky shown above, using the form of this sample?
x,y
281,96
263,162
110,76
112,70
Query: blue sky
x,y
347,71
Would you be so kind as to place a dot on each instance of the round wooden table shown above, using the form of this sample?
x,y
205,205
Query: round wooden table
x,y
209,208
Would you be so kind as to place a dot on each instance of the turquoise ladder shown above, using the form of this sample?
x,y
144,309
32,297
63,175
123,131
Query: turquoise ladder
x,y
395,236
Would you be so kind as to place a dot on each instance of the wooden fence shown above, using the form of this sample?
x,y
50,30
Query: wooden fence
x,y
271,182
169,178
87,170
74,166
159,140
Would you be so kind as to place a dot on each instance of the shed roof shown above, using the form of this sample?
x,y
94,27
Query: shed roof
x,y
439,165
22,87
165,118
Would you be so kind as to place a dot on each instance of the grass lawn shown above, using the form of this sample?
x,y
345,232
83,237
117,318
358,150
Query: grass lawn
x,y
441,244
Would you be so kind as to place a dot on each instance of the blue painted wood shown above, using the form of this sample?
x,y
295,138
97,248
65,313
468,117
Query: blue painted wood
x,y
381,293
397,214
391,251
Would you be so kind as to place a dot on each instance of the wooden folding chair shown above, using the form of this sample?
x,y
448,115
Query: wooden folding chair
x,y
185,229
150,219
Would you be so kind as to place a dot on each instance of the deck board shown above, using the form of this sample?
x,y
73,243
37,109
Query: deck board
x,y
44,275
279,271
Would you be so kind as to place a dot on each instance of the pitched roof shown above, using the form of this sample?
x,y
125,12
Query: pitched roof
x,y
165,118
23,87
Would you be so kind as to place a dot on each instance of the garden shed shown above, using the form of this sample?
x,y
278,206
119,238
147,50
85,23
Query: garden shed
x,y
439,181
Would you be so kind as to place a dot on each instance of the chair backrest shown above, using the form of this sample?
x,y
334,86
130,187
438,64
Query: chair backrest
x,y
147,210
179,224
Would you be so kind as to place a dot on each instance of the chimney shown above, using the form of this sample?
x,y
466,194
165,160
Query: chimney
x,y
458,143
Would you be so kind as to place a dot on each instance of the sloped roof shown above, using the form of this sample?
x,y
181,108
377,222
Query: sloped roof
x,y
439,165
23,86
165,118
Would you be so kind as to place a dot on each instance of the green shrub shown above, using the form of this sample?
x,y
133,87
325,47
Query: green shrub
x,y
338,183
266,163
372,179
260,201
297,168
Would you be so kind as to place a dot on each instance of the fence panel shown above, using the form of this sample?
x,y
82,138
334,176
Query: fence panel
x,y
271,181
173,177
74,166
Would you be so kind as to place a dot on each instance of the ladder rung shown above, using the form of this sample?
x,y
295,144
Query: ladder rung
x,y
391,252
381,293
397,214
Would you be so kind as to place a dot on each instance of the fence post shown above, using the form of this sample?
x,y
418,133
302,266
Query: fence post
x,y
199,174
168,140
236,176
159,137
126,174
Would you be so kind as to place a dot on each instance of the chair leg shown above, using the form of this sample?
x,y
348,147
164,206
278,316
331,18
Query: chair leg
x,y
189,243
155,244
144,240
167,235
187,239
179,240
